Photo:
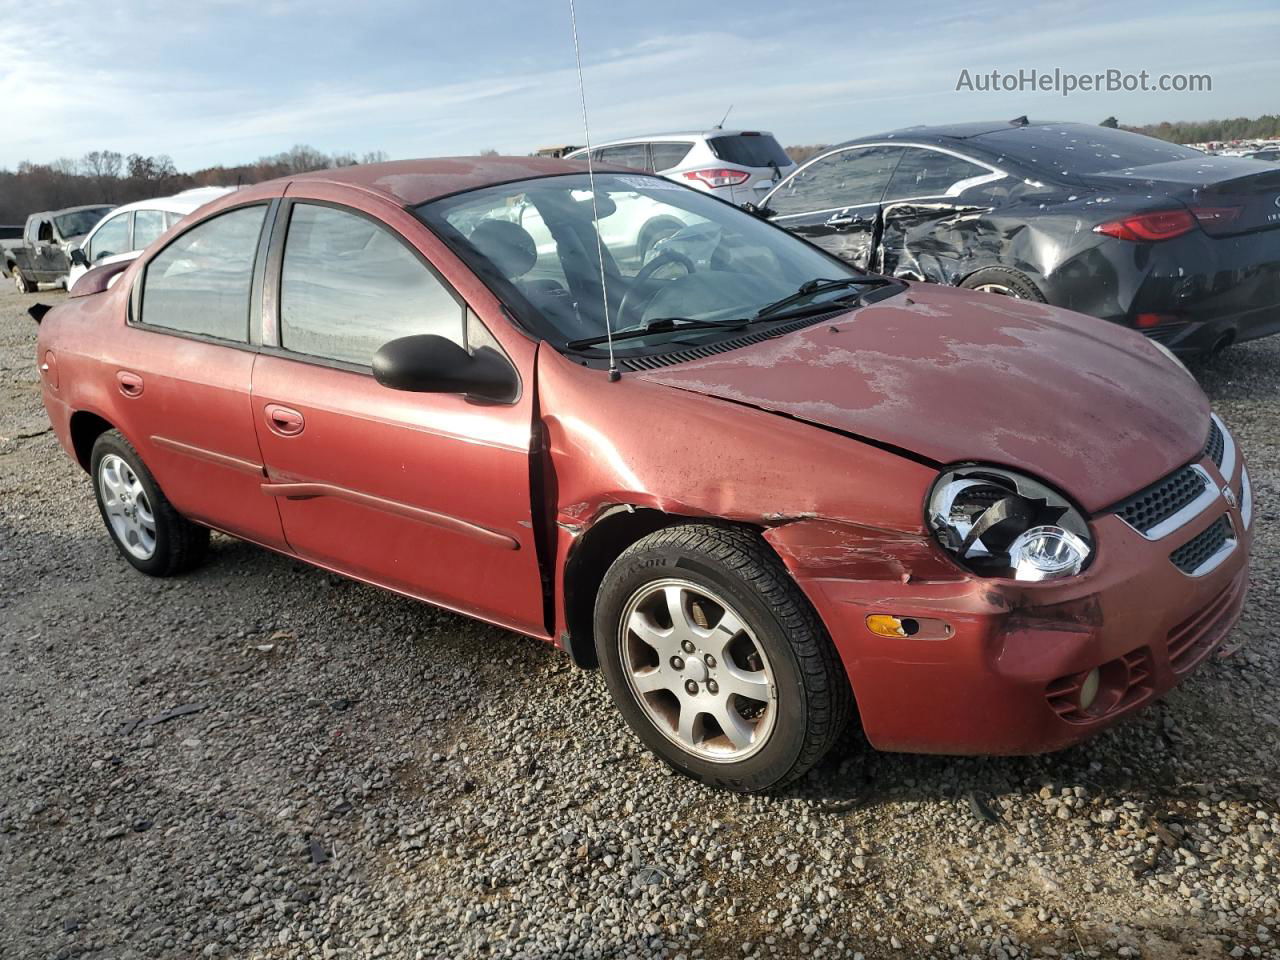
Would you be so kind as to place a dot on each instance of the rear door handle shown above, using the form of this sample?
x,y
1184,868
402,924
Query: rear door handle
x,y
284,421
130,383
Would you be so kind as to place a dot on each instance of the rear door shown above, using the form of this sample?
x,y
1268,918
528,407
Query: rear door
x,y
834,201
428,494
184,368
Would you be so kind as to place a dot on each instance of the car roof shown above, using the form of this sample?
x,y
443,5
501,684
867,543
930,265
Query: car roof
x,y
65,210
677,135
943,134
412,182
185,202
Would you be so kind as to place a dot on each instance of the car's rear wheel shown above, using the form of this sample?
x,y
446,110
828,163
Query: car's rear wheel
x,y
21,282
146,528
716,660
1004,282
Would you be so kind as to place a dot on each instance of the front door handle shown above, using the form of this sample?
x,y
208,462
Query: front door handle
x,y
843,221
130,383
284,421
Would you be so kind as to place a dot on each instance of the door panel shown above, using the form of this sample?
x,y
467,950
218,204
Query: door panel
x,y
428,494
187,410
851,234
423,493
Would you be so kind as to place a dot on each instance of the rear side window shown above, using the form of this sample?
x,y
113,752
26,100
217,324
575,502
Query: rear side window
x,y
849,178
348,286
750,150
668,155
626,155
111,238
147,226
200,282
928,173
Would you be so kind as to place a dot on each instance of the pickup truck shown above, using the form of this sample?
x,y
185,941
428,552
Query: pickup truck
x,y
43,255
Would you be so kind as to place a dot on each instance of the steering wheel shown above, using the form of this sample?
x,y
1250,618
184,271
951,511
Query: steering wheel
x,y
630,300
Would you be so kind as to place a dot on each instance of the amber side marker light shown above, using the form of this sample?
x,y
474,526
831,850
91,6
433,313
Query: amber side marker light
x,y
887,625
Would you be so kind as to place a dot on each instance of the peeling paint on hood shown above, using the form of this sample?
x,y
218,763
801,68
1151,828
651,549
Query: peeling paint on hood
x,y
954,375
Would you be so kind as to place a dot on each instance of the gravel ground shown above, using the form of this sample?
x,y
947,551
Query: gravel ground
x,y
368,777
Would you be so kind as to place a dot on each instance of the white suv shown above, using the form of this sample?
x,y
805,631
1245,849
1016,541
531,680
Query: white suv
x,y
734,165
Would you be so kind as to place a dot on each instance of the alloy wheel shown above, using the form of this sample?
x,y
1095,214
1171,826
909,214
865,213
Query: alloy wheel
x,y
997,288
697,670
127,506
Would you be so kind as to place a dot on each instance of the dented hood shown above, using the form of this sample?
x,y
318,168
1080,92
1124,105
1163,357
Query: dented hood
x,y
950,375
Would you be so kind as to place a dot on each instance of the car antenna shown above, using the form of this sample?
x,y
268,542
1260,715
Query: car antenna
x,y
614,375
720,125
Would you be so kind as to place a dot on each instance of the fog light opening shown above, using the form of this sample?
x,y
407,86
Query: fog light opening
x,y
1089,689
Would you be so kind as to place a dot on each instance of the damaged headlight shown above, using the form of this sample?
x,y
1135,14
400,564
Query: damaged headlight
x,y
1001,524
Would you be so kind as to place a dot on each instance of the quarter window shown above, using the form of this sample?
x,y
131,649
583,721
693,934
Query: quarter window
x,y
348,286
200,282
928,173
147,226
849,178
111,238
668,155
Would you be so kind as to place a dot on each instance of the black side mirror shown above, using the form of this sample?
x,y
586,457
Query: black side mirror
x,y
78,257
764,213
426,363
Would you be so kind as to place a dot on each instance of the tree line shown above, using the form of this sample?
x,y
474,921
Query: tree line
x,y
105,176
1266,127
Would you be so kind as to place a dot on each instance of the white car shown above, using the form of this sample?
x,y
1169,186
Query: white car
x,y
736,165
128,230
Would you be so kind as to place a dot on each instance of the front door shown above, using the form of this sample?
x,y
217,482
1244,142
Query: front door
x,y
47,256
428,494
834,201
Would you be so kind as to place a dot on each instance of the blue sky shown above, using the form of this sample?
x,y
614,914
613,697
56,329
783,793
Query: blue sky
x,y
226,81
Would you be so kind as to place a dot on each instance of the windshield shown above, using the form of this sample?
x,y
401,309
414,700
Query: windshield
x,y
79,222
1068,149
670,253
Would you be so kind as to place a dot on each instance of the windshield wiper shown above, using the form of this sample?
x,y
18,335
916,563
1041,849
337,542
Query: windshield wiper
x,y
656,325
814,287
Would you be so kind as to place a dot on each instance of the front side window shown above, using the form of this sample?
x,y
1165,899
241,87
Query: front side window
x,y
848,178
671,254
200,282
110,238
147,227
348,286
929,173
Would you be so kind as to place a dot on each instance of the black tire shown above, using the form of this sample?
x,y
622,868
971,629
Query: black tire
x,y
180,545
813,702
1010,282
21,282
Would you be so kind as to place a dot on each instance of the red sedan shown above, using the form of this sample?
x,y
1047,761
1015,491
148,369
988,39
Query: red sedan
x,y
786,493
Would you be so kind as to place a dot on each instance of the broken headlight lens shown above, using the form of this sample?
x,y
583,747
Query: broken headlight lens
x,y
1001,524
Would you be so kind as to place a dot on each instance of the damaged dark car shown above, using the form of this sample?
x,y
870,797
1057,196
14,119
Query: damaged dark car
x,y
1180,245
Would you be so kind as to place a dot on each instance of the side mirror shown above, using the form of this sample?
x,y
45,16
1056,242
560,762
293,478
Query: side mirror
x,y
426,363
756,210
78,257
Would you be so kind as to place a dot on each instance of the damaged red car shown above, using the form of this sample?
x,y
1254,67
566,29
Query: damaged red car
x,y
783,493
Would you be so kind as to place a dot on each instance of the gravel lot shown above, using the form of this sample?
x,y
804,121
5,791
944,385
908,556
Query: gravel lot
x,y
369,777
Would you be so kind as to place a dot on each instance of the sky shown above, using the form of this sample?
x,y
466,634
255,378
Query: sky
x,y
223,81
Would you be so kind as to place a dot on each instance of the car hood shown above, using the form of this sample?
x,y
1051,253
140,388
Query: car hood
x,y
950,376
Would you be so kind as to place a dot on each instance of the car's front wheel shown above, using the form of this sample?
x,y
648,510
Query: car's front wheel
x,y
716,660
146,528
21,282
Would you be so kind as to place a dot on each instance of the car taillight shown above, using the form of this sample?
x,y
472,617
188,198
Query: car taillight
x,y
1149,227
1215,216
719,176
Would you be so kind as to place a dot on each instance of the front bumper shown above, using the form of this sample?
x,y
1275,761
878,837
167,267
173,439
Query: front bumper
x,y
1006,678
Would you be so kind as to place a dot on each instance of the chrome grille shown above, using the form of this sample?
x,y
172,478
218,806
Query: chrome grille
x,y
1193,555
1146,509
1216,445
